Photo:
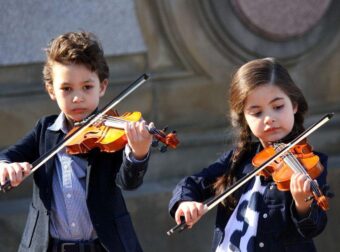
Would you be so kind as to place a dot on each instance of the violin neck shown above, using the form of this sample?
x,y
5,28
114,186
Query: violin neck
x,y
297,167
119,124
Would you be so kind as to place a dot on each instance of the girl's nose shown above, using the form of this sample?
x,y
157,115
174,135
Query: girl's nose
x,y
269,120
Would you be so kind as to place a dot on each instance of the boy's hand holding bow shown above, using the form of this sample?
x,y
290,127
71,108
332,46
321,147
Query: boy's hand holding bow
x,y
15,172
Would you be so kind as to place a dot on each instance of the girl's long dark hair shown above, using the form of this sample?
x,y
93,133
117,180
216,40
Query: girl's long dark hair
x,y
249,76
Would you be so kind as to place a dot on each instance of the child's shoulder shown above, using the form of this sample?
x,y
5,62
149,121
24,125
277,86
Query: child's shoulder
x,y
253,148
48,118
322,156
46,121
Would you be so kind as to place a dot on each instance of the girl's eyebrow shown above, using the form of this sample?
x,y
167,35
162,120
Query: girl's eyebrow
x,y
272,101
276,99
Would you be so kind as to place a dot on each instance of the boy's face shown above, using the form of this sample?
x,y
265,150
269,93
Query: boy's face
x,y
76,89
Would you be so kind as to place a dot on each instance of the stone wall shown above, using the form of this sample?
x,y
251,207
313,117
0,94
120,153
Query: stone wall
x,y
190,48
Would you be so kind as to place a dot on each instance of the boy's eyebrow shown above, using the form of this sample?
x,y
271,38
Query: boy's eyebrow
x,y
64,83
88,80
85,81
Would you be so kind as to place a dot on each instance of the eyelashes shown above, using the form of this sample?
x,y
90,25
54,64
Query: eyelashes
x,y
69,89
259,113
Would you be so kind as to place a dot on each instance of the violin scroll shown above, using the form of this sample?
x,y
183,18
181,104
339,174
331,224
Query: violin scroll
x,y
169,139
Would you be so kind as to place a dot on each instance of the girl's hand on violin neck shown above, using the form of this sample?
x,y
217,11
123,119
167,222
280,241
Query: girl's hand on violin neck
x,y
15,172
192,211
301,190
139,138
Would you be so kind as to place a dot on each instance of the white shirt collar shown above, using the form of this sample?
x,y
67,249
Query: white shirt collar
x,y
59,124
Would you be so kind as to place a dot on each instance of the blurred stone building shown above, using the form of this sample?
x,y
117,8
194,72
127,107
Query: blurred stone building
x,y
190,48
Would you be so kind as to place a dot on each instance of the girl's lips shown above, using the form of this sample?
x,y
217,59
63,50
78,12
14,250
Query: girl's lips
x,y
271,129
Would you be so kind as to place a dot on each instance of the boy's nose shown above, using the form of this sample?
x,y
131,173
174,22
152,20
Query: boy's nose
x,y
78,98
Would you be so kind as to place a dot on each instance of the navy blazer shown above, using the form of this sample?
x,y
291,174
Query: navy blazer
x,y
105,202
279,227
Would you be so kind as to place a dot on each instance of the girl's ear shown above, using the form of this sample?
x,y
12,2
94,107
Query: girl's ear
x,y
295,108
50,91
103,86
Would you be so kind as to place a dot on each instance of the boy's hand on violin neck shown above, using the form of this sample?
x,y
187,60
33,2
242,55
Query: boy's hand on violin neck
x,y
139,138
15,172
300,189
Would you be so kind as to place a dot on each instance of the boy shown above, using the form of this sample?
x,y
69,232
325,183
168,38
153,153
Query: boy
x,y
76,203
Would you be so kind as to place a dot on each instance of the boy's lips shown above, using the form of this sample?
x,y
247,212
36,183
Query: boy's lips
x,y
78,110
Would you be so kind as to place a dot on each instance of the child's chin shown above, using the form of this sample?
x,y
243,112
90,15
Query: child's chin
x,y
77,118
273,140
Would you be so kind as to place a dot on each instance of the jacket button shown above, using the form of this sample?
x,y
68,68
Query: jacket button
x,y
265,216
261,244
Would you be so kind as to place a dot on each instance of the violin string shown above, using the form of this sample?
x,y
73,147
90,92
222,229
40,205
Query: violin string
x,y
115,119
152,130
293,162
313,183
296,165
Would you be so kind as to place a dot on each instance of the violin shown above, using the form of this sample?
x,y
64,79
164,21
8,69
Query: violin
x,y
299,159
268,160
107,134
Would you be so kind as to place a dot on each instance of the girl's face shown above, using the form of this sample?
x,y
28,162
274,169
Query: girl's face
x,y
76,89
269,113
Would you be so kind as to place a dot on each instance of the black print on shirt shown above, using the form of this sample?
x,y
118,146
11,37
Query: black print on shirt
x,y
253,204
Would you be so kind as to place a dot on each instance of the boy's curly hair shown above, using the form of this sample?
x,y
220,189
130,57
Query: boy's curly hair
x,y
76,48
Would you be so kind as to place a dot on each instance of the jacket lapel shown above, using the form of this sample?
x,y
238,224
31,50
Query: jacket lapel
x,y
52,139
90,160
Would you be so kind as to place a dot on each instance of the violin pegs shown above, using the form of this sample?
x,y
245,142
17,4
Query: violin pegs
x,y
155,143
163,149
327,192
165,129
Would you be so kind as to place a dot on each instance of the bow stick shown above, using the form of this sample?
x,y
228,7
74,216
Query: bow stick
x,y
210,204
48,155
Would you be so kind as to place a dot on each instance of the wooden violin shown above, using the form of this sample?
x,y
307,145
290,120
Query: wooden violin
x,y
107,134
299,159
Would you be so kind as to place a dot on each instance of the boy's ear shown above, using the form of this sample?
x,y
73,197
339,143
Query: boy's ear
x,y
103,86
50,91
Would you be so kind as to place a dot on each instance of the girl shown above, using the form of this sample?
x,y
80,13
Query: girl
x,y
266,105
